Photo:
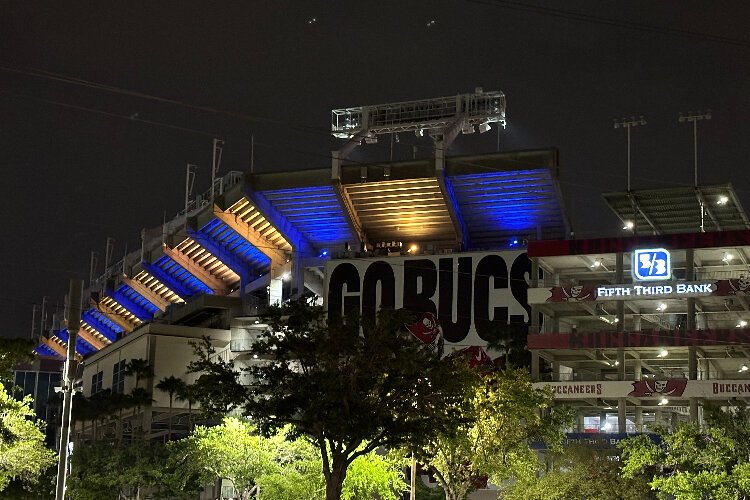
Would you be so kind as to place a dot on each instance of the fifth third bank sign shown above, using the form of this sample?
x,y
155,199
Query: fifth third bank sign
x,y
651,264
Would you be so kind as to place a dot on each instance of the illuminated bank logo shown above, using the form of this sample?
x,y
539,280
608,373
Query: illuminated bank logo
x,y
651,264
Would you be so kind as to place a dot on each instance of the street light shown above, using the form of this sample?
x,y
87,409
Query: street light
x,y
695,118
628,124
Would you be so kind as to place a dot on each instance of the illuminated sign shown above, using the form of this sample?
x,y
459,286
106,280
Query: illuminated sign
x,y
468,294
651,264
679,389
661,291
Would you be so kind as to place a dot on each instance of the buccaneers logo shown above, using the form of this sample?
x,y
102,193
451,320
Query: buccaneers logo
x,y
645,388
572,293
427,330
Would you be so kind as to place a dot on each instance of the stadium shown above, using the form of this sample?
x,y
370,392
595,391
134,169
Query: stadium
x,y
632,331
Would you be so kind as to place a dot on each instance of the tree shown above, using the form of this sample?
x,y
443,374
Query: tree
x,y
495,442
188,394
349,392
282,466
108,469
580,471
231,450
140,369
375,476
23,455
690,462
171,385
297,474
12,353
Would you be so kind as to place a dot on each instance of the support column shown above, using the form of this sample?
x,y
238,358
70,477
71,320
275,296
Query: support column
x,y
690,276
675,420
580,425
659,417
705,369
694,410
276,291
621,415
638,419
620,363
534,283
619,278
535,366
297,277
638,369
556,371
692,363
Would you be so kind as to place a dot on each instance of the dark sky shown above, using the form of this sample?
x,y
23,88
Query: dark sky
x,y
72,177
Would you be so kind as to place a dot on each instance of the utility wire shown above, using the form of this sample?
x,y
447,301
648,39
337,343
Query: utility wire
x,y
606,21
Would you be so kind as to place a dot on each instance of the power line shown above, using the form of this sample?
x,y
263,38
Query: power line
x,y
620,23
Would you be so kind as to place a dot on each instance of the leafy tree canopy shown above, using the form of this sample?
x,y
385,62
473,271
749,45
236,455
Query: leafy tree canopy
x,y
579,471
495,442
691,462
23,455
349,392
125,471
284,467
13,352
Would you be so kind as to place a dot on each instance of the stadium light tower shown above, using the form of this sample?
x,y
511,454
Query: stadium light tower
x,y
695,117
628,124
440,117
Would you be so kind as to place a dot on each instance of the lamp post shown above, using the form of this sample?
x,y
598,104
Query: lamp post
x,y
695,118
73,317
628,124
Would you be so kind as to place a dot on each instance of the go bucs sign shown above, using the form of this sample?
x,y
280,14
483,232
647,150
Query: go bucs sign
x,y
468,292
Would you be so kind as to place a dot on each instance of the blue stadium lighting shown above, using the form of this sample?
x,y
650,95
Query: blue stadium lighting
x,y
514,242
101,324
505,201
82,347
134,302
231,248
44,350
314,211
177,277
323,254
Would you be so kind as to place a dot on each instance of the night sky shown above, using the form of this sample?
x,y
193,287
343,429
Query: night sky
x,y
80,163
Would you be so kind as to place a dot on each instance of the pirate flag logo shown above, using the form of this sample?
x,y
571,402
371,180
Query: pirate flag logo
x,y
476,356
573,293
427,330
645,388
734,286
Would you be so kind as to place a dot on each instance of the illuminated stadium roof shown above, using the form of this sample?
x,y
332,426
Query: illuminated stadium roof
x,y
267,226
679,210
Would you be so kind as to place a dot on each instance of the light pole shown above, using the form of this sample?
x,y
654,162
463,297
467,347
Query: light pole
x,y
628,124
73,317
695,118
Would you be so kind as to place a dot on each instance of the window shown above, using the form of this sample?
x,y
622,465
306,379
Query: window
x,y
118,377
96,382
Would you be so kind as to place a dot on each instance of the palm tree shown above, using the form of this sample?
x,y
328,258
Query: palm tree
x,y
140,397
140,368
171,385
188,394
